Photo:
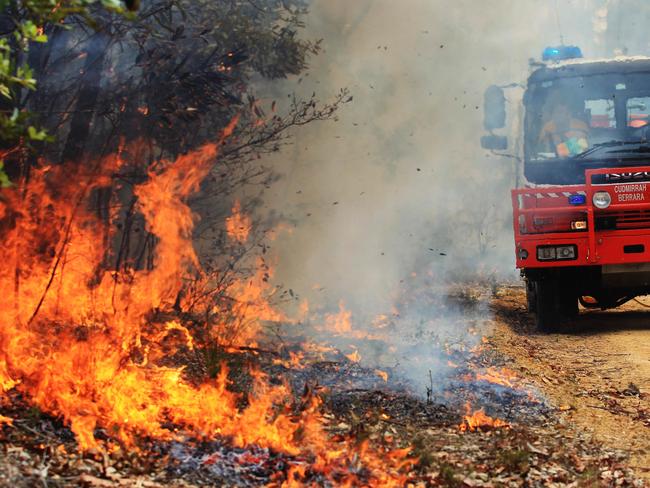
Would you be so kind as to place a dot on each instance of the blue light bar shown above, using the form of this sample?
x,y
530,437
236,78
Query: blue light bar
x,y
577,199
561,53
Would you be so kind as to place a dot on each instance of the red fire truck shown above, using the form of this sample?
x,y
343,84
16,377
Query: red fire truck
x,y
582,212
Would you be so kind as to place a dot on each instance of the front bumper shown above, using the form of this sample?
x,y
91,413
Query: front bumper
x,y
594,247
611,247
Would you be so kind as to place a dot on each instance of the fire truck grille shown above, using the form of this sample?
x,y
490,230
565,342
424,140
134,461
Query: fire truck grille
x,y
628,219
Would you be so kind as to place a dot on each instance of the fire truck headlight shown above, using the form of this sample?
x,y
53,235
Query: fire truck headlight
x,y
602,199
546,253
566,252
557,253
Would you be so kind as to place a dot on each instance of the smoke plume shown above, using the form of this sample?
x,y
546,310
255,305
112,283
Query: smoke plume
x,y
396,201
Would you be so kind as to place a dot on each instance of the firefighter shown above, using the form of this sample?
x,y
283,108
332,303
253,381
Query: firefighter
x,y
564,134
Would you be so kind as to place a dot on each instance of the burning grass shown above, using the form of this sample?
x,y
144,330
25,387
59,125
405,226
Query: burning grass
x,y
478,420
92,346
363,412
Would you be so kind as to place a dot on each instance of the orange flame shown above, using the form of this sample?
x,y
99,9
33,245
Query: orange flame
x,y
382,374
503,377
354,356
339,323
238,225
80,342
479,421
296,361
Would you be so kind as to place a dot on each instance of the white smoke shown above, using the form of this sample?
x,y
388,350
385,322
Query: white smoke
x,y
399,186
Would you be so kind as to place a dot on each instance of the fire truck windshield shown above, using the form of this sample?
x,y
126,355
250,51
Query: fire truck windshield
x,y
569,119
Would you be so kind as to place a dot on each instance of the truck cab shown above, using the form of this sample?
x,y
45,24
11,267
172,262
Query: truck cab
x,y
581,216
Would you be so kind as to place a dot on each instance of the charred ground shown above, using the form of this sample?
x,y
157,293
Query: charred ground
x,y
564,413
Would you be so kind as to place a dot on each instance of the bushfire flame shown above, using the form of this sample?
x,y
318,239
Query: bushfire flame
x,y
80,341
354,356
479,420
238,225
503,377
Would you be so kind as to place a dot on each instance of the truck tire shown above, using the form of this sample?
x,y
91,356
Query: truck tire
x,y
568,303
531,296
555,305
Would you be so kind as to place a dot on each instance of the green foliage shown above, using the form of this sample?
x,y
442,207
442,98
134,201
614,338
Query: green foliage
x,y
4,179
27,31
37,135
172,74
29,18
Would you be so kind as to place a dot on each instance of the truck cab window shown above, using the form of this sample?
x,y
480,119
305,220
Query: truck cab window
x,y
600,113
638,112
564,130
572,116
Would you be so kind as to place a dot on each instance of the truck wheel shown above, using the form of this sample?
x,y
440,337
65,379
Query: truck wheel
x,y
553,307
531,296
568,303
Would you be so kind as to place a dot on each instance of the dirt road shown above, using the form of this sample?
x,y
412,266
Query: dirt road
x,y
597,375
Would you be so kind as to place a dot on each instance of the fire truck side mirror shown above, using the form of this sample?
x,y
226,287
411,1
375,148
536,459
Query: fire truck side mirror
x,y
494,108
494,142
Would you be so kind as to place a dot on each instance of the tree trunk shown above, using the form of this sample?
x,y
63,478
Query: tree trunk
x,y
87,98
